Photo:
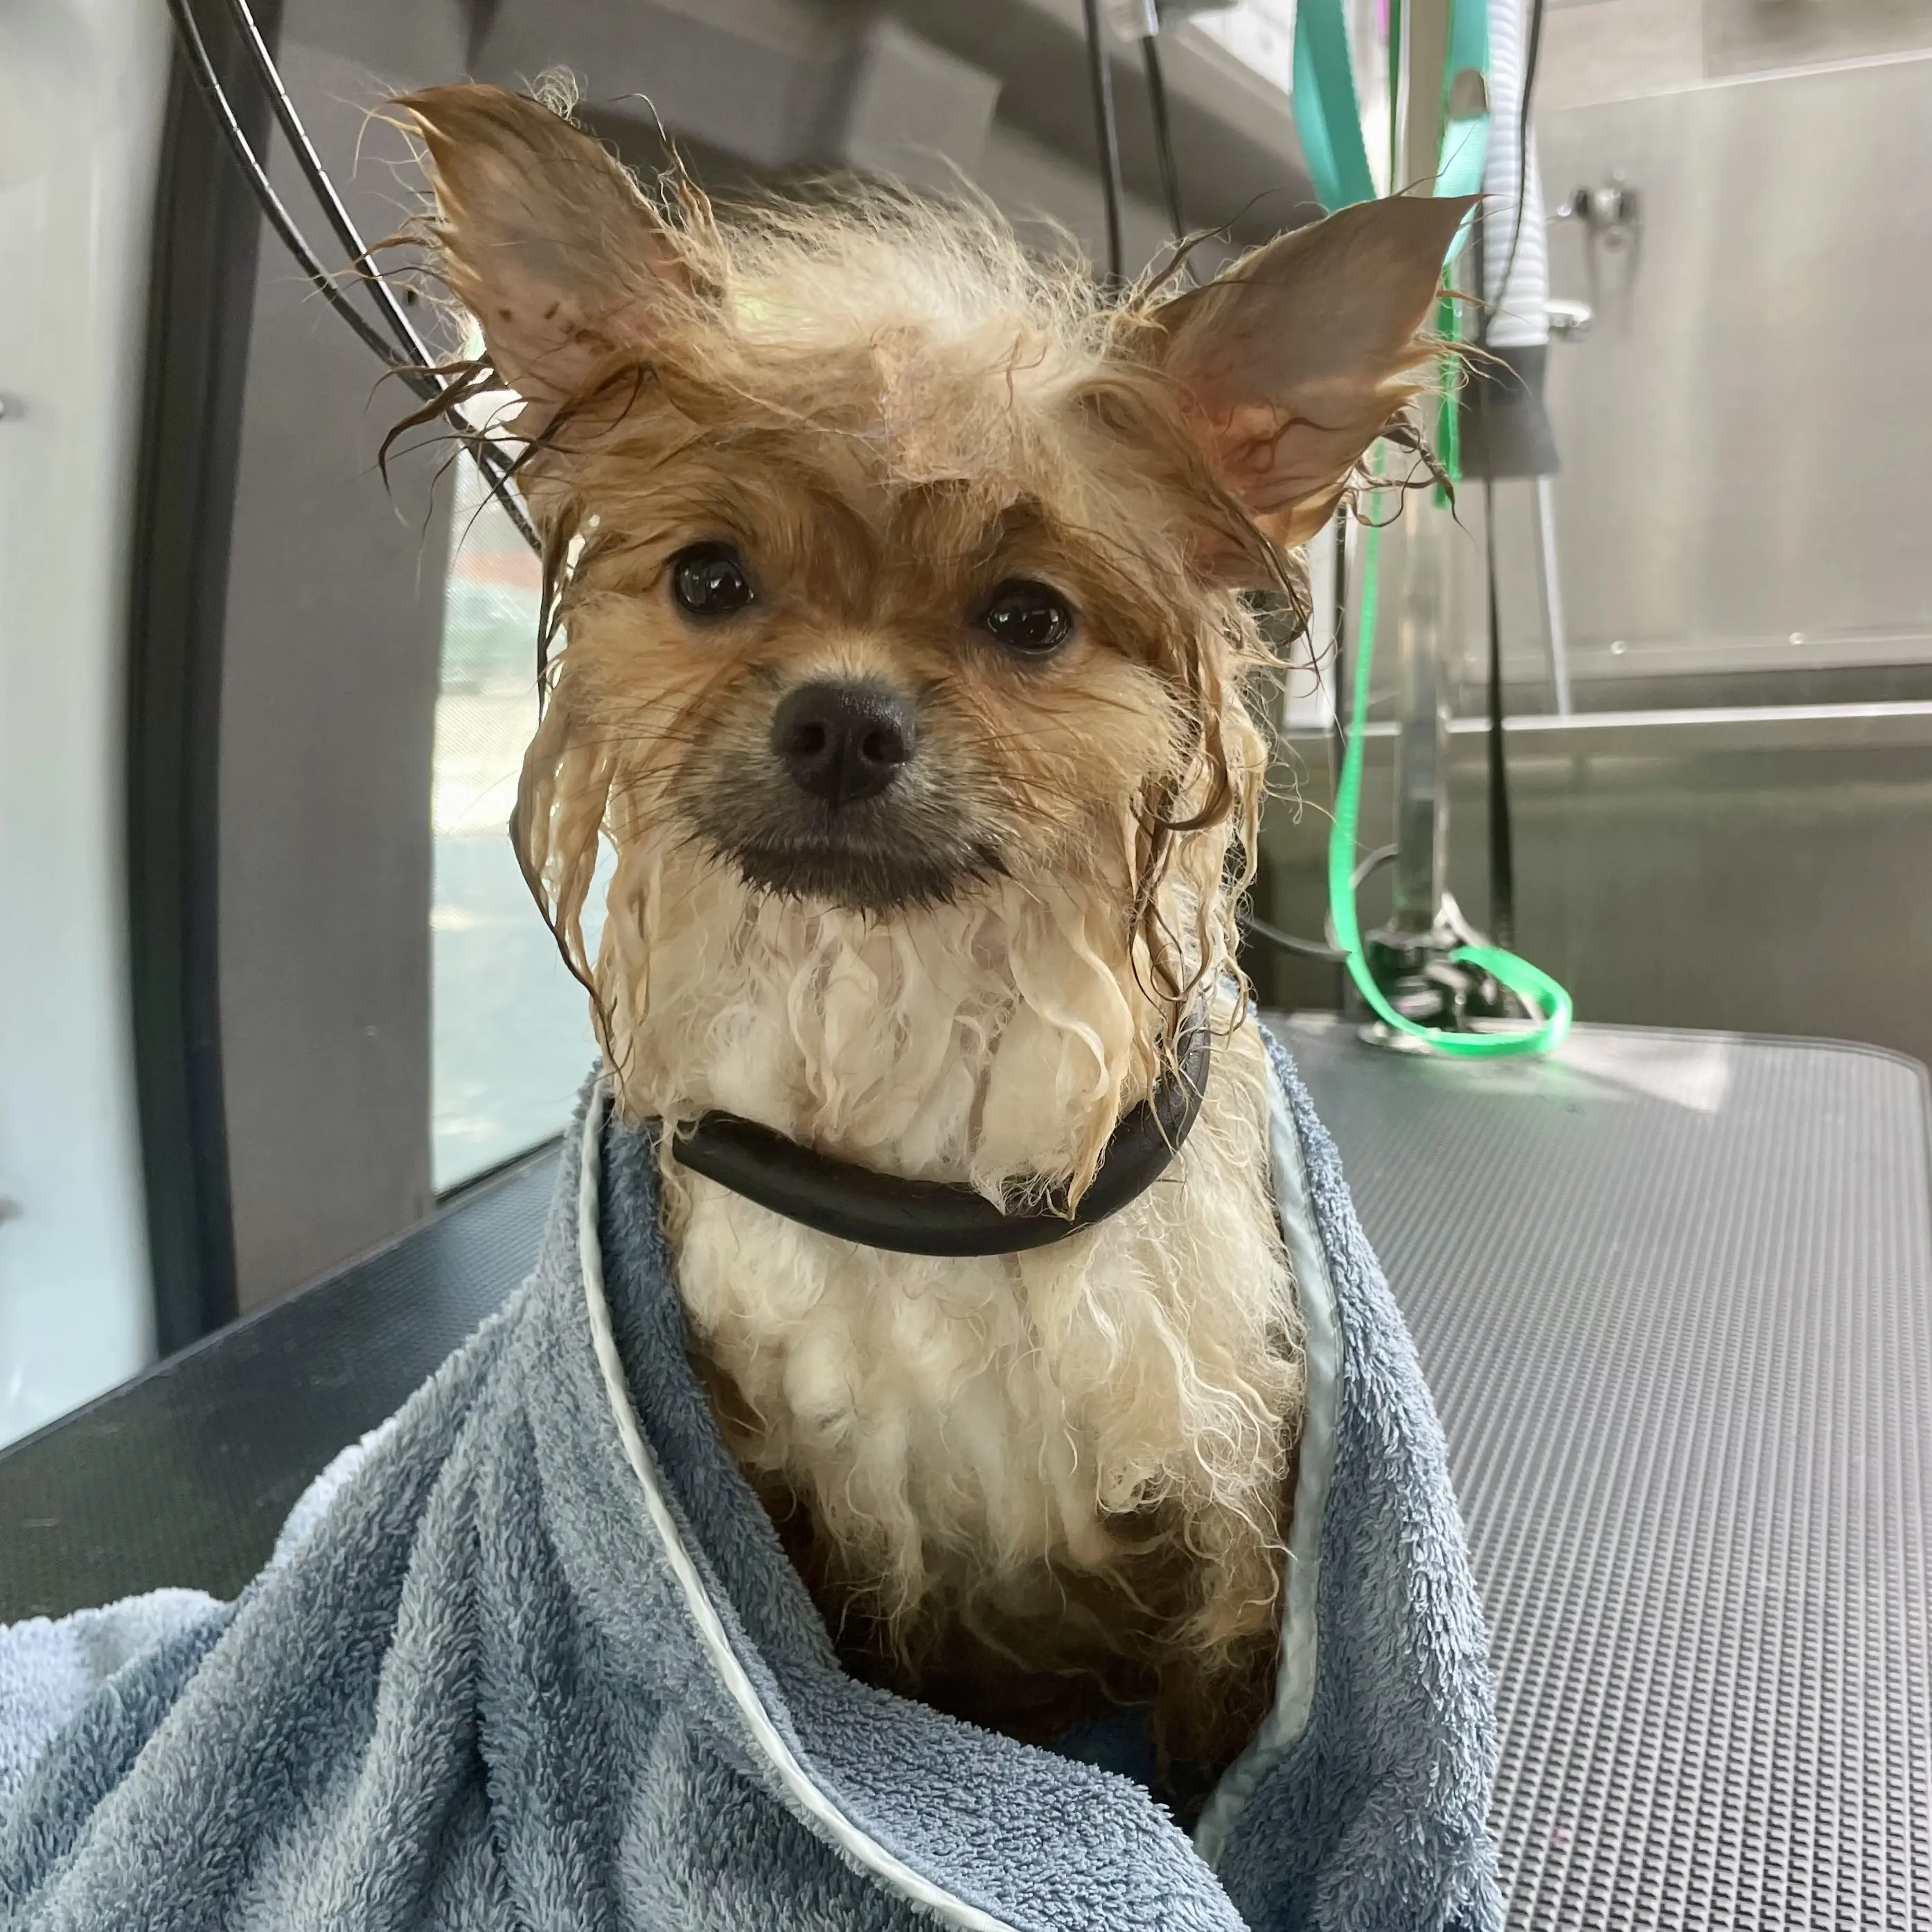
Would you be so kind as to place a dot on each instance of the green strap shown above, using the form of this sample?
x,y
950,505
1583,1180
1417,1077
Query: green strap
x,y
1327,115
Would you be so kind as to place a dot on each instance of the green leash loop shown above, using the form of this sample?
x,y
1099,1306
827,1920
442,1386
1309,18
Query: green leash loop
x,y
1527,982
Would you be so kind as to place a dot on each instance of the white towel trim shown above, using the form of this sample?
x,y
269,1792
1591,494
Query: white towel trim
x,y
849,1836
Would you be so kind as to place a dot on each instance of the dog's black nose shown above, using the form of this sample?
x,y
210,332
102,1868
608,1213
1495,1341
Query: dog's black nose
x,y
842,742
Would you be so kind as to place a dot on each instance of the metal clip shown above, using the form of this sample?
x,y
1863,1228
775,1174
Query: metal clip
x,y
1569,321
1613,212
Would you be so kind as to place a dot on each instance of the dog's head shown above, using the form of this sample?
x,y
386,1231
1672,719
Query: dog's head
x,y
895,565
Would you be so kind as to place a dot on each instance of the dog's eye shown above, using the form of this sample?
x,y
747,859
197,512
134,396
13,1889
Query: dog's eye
x,y
1027,616
709,580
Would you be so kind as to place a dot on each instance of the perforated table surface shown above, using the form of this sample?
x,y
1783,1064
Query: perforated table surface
x,y
1674,1294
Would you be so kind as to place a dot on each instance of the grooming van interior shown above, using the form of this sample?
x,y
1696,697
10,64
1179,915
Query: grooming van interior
x,y
1178,1171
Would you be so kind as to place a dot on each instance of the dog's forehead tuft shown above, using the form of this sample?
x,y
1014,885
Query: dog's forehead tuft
x,y
916,376
931,402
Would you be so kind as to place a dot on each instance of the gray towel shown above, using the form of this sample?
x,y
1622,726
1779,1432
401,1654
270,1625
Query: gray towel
x,y
531,1657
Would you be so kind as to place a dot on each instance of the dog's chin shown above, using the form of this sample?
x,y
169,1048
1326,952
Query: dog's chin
x,y
859,877
915,847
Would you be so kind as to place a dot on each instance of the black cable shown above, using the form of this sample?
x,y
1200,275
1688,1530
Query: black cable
x,y
1287,942
1502,865
495,466
279,217
1106,134
1502,841
1163,133
323,188
421,381
317,176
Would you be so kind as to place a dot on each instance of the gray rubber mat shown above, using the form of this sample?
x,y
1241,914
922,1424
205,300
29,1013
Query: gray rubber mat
x,y
1674,1296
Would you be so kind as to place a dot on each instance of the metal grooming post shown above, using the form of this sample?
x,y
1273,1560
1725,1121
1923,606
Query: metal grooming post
x,y
1422,729
1552,593
1423,603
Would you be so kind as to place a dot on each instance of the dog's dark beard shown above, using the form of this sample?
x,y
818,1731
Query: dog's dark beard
x,y
907,848
859,881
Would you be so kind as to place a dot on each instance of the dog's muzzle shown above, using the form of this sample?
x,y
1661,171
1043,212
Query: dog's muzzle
x,y
847,799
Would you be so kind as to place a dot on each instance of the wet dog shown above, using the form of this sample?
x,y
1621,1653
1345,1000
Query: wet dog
x,y
900,579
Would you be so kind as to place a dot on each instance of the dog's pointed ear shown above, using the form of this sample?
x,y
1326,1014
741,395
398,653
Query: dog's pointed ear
x,y
544,237
1293,362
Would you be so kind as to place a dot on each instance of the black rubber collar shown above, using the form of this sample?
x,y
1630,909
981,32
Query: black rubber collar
x,y
940,1217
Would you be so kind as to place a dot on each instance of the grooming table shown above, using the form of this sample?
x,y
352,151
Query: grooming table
x,y
1674,1293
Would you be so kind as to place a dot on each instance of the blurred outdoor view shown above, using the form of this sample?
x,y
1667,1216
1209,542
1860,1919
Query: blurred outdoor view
x,y
512,1039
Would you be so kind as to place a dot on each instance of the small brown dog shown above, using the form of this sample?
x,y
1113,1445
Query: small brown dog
x,y
901,576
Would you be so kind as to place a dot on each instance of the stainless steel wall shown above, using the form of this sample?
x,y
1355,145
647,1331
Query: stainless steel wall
x,y
1746,433
1761,871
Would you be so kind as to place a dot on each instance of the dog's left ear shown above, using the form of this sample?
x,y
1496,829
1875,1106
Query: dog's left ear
x,y
1292,363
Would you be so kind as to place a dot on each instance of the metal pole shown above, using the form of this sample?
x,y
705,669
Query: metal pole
x,y
1422,727
1422,698
1552,593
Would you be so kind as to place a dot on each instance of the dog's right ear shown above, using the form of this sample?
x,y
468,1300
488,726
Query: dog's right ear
x,y
544,239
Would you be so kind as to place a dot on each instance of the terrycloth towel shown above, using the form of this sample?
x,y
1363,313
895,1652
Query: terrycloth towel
x,y
532,1657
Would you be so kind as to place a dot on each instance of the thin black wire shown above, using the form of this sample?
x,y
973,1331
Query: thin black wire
x,y
1288,942
1106,134
420,381
317,176
1163,134
494,465
1502,844
279,217
1502,847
